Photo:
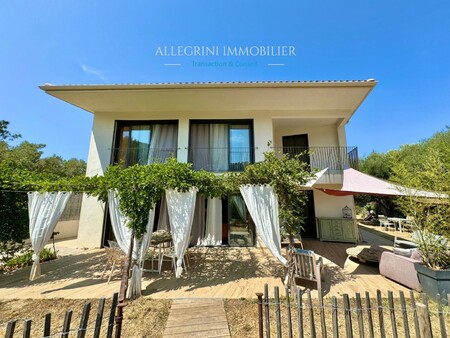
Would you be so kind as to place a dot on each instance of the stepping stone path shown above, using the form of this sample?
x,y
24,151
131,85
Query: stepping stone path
x,y
197,318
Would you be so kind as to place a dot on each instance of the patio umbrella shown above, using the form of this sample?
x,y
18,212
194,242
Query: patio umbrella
x,y
356,182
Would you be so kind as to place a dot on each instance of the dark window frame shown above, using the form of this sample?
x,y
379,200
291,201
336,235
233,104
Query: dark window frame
x,y
119,124
229,122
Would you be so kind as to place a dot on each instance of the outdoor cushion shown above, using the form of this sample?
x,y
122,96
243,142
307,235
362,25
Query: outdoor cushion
x,y
304,251
400,269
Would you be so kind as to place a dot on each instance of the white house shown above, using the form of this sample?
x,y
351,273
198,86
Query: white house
x,y
221,127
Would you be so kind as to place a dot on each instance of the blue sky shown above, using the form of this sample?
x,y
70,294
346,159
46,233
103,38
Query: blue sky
x,y
405,45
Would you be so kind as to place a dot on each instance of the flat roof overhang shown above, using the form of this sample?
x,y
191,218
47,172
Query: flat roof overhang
x,y
332,99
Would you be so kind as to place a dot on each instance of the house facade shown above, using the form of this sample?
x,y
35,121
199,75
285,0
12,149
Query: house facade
x,y
219,127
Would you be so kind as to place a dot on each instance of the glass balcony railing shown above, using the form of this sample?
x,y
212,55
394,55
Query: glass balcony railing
x,y
142,155
235,159
220,159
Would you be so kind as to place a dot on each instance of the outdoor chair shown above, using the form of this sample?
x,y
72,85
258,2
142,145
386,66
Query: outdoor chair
x,y
114,258
302,264
168,252
384,222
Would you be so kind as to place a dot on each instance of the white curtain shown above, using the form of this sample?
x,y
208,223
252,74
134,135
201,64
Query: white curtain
x,y
213,231
199,142
219,147
123,235
163,220
44,210
240,206
163,145
262,203
181,214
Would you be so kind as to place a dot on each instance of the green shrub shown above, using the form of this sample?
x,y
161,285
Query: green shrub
x,y
24,259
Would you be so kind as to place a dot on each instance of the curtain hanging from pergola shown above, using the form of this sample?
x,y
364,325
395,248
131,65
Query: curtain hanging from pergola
x,y
181,207
44,211
262,204
122,233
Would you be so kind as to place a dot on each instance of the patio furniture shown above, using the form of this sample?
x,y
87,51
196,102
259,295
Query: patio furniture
x,y
403,223
366,253
302,264
400,269
384,222
114,258
168,251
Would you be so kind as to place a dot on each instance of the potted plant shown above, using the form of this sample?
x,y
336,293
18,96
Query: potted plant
x,y
434,272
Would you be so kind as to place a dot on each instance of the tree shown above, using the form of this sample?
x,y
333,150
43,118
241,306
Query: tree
x,y
376,164
430,217
5,134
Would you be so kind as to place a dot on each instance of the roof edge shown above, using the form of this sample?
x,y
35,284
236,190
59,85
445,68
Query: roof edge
x,y
206,85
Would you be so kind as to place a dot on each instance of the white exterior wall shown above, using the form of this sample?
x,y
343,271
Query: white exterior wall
x,y
326,135
90,228
331,206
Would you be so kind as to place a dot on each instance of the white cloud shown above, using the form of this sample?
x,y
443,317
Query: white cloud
x,y
92,71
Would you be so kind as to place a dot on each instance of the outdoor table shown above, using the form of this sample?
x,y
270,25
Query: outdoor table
x,y
398,221
159,241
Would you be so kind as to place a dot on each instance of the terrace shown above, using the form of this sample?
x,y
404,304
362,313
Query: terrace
x,y
220,272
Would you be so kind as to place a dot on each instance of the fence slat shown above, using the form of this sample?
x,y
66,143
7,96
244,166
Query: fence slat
x,y
112,313
414,309
380,314
99,317
27,328
266,309
10,327
289,316
348,317
322,314
311,314
404,315
334,314
359,314
66,324
84,320
369,315
441,318
300,313
278,310
47,324
425,302
392,314
424,323
260,315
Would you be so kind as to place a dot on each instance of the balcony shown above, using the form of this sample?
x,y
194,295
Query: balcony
x,y
333,158
220,159
142,155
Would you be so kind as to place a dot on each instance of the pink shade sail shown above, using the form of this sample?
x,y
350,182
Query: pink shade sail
x,y
356,182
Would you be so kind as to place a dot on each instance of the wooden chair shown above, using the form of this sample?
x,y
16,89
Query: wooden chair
x,y
302,264
114,258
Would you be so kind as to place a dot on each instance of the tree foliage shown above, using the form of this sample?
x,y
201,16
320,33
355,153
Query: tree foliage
x,y
22,168
425,166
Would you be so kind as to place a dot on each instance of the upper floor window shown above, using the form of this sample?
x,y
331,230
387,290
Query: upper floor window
x,y
222,146
145,142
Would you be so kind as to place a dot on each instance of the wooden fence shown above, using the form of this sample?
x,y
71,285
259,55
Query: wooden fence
x,y
95,325
348,317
